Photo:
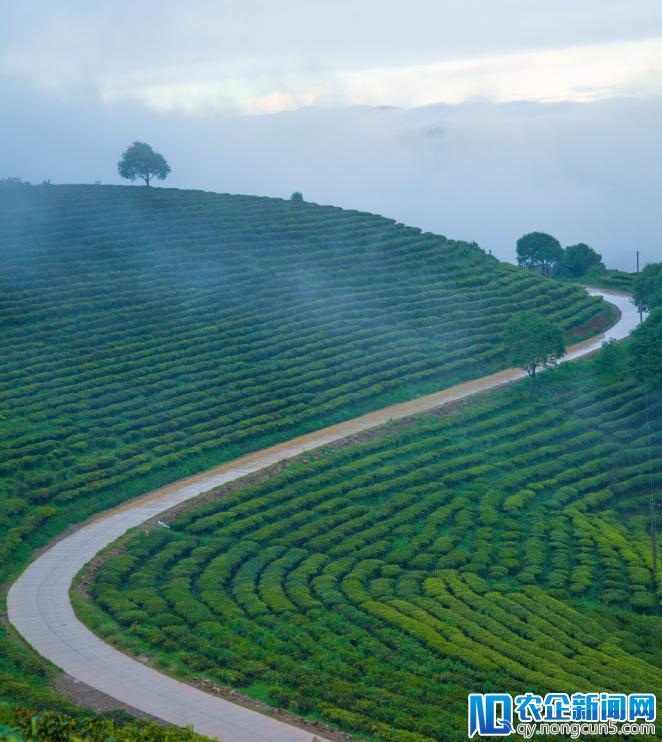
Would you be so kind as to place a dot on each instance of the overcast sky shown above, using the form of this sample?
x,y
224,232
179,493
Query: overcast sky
x,y
261,97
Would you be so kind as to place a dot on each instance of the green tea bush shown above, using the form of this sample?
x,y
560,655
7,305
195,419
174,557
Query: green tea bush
x,y
356,575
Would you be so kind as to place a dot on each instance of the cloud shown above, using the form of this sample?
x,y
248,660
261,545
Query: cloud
x,y
258,56
580,73
576,73
344,102
586,172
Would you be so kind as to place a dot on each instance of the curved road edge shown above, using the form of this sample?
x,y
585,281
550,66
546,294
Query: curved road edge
x,y
38,602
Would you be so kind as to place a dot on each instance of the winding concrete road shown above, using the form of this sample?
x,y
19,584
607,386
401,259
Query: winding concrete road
x,y
39,606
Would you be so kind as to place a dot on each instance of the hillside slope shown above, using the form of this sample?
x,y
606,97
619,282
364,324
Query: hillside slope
x,y
151,327
155,332
503,547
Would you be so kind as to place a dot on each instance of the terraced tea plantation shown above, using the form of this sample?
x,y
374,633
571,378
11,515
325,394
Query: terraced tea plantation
x,y
156,332
502,547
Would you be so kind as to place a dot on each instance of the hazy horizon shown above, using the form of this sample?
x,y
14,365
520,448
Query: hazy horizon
x,y
477,122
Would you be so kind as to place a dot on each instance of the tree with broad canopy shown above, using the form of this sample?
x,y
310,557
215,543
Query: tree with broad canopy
x,y
532,342
577,260
539,250
141,161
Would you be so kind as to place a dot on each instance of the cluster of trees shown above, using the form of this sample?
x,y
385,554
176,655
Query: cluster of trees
x,y
533,342
18,183
541,251
13,182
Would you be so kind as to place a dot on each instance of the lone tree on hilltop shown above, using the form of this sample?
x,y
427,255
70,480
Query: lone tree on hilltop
x,y
532,342
539,250
141,161
297,197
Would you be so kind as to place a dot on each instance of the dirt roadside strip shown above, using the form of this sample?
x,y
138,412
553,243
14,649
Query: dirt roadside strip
x,y
39,606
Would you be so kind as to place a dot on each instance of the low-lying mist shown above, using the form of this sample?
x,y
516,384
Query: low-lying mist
x,y
586,172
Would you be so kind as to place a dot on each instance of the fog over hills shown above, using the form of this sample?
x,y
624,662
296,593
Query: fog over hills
x,y
482,171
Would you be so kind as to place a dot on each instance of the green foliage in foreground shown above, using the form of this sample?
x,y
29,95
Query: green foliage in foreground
x,y
646,350
504,547
22,725
648,288
24,677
